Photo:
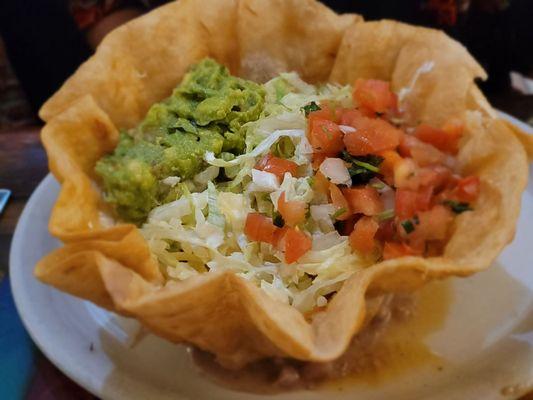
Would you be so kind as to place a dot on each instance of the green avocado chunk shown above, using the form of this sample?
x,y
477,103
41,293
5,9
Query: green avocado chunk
x,y
205,112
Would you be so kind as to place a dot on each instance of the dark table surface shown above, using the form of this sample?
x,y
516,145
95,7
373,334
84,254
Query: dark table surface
x,y
23,165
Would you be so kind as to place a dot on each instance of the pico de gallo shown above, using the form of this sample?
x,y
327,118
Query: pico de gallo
x,y
292,186
394,188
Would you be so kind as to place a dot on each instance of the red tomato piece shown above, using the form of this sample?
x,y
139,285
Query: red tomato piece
x,y
293,212
467,189
409,202
329,111
395,250
437,176
362,237
259,228
423,198
318,158
321,183
363,200
444,140
349,115
279,238
297,244
375,95
433,224
386,230
423,153
325,136
339,202
371,136
390,159
405,203
277,166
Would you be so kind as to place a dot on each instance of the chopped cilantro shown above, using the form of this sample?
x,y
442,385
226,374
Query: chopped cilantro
x,y
378,185
338,213
363,168
458,207
408,226
309,108
366,165
387,214
277,220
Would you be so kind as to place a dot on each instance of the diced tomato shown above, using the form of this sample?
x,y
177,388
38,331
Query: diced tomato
x,y
406,174
279,238
405,203
297,244
339,202
390,158
277,166
409,202
293,212
318,159
375,95
329,111
371,136
432,224
423,153
446,139
362,237
367,112
436,176
349,115
363,200
395,250
321,183
386,230
259,228
467,189
325,136
423,200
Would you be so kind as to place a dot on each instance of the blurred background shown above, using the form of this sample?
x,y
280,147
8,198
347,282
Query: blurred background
x,y
42,42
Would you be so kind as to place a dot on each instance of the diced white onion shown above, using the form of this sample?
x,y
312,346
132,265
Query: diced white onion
x,y
321,301
322,241
322,211
387,194
347,129
264,181
336,171
207,175
171,181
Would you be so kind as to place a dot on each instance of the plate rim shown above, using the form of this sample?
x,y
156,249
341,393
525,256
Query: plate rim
x,y
15,276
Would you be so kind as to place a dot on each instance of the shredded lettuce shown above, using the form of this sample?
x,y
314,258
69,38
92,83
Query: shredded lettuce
x,y
214,215
203,230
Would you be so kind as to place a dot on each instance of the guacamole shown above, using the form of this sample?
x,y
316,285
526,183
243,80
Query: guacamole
x,y
205,112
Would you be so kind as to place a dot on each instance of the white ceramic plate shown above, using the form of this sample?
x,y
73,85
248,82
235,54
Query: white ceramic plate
x,y
486,341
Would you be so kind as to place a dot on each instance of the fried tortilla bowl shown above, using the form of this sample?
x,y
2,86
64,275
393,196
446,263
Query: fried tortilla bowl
x,y
138,64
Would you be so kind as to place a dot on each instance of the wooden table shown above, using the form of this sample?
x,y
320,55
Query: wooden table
x,y
22,166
